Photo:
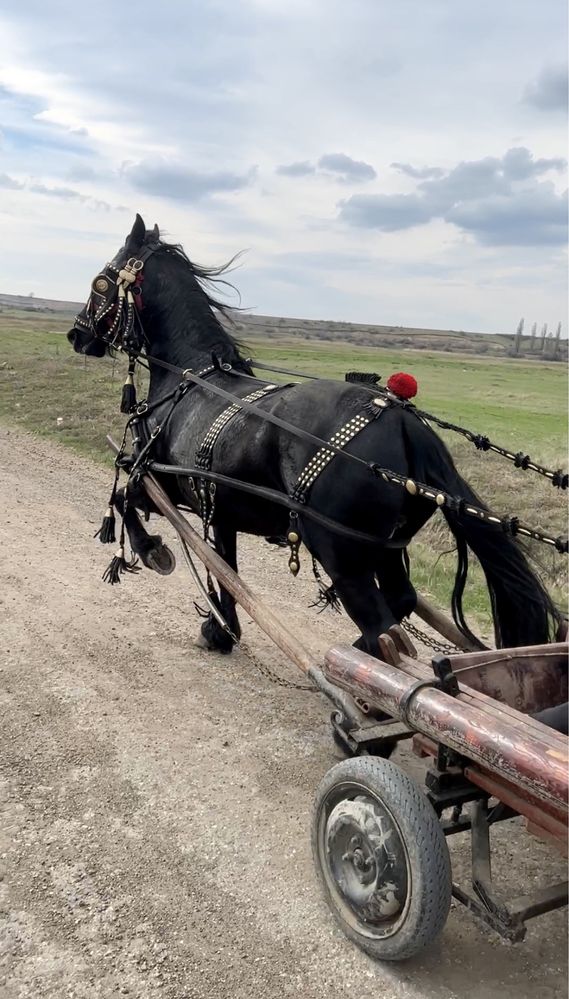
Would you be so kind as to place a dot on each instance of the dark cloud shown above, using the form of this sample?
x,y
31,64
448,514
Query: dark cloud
x,y
469,181
518,164
175,181
482,197
346,168
548,92
10,183
296,169
535,217
418,173
388,212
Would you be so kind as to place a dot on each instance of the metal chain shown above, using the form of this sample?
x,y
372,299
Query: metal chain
x,y
269,674
264,670
510,525
445,647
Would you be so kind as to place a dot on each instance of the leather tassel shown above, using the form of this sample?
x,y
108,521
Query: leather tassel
x,y
106,533
128,398
117,566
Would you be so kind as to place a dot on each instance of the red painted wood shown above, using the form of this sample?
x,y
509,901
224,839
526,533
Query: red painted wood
x,y
538,768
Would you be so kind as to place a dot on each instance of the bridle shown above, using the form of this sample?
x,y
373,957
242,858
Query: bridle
x,y
115,305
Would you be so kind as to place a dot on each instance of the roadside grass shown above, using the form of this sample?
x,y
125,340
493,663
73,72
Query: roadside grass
x,y
521,405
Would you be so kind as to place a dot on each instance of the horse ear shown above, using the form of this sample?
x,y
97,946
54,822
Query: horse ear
x,y
156,231
137,235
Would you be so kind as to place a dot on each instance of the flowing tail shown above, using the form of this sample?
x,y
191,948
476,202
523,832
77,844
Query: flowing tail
x,y
523,611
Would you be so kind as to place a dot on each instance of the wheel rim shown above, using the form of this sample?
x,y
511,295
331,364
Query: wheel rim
x,y
364,860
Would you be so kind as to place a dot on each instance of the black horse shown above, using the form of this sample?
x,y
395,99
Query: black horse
x,y
182,327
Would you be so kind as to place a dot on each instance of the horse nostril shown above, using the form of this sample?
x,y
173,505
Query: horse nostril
x,y
71,336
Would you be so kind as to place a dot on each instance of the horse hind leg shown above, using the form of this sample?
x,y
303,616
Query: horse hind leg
x,y
370,611
394,582
150,548
367,607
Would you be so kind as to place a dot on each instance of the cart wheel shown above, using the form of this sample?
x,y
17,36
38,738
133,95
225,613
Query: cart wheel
x,y
381,857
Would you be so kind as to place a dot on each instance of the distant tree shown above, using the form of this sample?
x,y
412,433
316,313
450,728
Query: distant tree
x,y
557,344
533,333
543,336
32,294
549,345
518,338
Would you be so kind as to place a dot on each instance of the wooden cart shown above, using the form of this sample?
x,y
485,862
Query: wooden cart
x,y
379,841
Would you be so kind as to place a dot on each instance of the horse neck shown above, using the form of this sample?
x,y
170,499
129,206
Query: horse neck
x,y
182,330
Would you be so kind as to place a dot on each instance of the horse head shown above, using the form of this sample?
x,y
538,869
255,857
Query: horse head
x,y
152,297
111,316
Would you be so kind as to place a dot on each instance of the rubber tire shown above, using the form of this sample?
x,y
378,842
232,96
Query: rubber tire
x,y
427,851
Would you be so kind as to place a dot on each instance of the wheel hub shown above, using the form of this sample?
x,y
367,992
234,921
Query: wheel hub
x,y
362,859
366,860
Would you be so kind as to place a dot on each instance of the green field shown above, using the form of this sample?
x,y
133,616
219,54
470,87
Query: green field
x,y
521,405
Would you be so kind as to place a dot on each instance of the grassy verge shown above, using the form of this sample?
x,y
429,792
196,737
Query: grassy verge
x,y
48,389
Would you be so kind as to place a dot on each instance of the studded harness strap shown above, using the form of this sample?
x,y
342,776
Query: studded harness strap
x,y
318,463
203,491
324,456
204,454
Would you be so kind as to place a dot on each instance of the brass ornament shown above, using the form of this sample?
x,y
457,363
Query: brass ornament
x,y
440,499
293,538
411,487
101,285
294,567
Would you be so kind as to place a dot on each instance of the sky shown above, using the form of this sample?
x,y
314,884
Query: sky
x,y
379,161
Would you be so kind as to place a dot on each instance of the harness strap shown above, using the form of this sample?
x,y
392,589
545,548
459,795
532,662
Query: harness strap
x,y
324,456
250,407
266,493
204,454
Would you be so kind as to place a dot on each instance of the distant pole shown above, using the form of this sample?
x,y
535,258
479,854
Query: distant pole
x,y
533,333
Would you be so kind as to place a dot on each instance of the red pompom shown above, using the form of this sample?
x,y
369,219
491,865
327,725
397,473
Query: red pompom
x,y
402,385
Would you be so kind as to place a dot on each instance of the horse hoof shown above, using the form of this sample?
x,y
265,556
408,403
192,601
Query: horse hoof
x,y
201,642
160,559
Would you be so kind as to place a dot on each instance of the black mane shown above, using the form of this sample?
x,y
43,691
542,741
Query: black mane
x,y
205,276
218,315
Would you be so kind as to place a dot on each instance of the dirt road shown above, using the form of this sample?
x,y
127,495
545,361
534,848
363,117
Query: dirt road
x,y
156,799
